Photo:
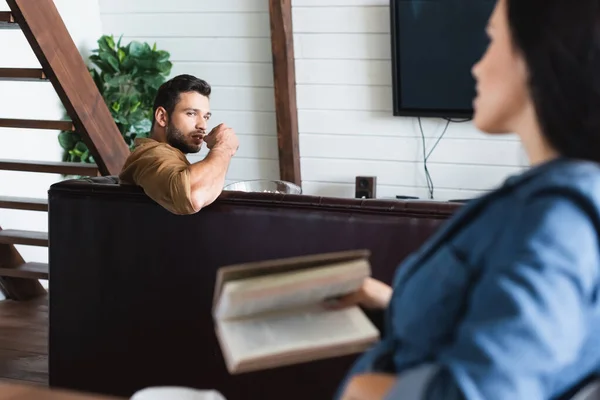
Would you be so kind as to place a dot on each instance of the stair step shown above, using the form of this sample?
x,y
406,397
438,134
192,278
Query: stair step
x,y
29,238
30,270
23,203
36,124
22,74
51,167
7,21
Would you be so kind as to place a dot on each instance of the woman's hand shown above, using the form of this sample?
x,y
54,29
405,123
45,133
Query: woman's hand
x,y
369,387
373,294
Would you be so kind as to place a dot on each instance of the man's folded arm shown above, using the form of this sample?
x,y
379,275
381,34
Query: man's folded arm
x,y
179,187
207,177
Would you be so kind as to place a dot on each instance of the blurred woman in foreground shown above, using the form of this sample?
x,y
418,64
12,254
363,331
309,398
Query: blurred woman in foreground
x,y
503,303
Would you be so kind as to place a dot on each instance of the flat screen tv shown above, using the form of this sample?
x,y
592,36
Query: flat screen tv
x,y
434,46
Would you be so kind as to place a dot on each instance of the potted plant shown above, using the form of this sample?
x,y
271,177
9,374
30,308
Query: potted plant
x,y
128,78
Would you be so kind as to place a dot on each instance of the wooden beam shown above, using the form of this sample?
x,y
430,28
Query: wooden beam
x,y
27,238
62,63
36,124
31,270
284,77
7,21
23,203
49,167
23,74
6,16
16,288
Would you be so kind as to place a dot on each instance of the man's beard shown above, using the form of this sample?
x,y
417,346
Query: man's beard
x,y
177,139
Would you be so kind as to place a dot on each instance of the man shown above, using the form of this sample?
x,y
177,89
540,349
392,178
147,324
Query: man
x,y
159,165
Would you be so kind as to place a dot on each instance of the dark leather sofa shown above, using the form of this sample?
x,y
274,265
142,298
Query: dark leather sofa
x,y
131,284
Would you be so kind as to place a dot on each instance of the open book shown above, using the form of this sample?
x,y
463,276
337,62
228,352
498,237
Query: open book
x,y
270,314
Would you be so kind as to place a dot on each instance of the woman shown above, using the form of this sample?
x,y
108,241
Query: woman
x,y
503,302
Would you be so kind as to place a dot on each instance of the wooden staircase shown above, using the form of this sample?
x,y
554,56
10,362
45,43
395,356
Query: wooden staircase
x,y
64,68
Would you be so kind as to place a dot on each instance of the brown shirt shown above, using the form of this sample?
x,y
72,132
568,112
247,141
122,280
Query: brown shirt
x,y
162,171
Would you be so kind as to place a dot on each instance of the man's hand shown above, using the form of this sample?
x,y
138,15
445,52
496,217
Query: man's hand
x,y
222,137
373,294
369,387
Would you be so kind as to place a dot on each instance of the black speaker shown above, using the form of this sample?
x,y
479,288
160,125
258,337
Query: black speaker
x,y
365,187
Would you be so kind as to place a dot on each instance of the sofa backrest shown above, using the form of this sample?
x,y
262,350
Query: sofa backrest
x,y
132,284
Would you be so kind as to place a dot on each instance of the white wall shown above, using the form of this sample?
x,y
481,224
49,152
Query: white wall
x,y
225,42
32,100
343,74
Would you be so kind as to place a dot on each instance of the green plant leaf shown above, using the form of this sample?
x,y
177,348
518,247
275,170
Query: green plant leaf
x,y
110,41
80,147
111,95
120,119
163,56
165,67
118,80
113,62
136,106
107,45
121,55
100,63
143,126
148,65
154,80
75,154
136,49
67,140
128,63
103,47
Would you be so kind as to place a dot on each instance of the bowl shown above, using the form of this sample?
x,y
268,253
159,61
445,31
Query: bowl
x,y
264,185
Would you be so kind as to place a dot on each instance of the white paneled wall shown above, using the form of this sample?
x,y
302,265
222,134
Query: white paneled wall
x,y
36,100
227,43
343,76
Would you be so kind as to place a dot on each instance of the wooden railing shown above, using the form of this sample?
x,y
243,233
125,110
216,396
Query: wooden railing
x,y
64,68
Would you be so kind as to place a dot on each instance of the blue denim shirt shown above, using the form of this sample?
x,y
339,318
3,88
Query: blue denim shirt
x,y
502,302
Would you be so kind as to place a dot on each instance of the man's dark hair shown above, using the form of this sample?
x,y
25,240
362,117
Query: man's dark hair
x,y
560,41
168,93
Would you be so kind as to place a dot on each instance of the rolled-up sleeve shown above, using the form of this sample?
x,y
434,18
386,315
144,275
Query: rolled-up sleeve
x,y
166,181
526,317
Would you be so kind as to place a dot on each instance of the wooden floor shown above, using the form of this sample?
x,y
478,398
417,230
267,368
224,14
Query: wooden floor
x,y
24,341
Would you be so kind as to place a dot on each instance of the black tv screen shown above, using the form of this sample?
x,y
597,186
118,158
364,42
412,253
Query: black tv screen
x,y
434,46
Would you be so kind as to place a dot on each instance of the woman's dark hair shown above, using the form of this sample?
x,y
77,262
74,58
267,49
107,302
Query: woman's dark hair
x,y
168,93
560,42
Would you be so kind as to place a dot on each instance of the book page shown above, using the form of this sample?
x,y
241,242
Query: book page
x,y
290,289
310,328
